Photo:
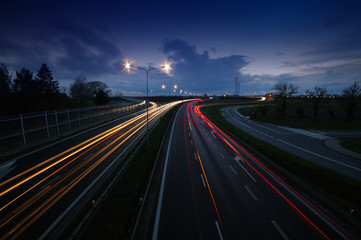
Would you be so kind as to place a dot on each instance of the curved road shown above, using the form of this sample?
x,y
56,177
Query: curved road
x,y
213,189
306,144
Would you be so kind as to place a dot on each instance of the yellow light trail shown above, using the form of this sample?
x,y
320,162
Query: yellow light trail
x,y
37,213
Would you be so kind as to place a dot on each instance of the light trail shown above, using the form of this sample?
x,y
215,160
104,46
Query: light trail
x,y
215,128
43,200
190,116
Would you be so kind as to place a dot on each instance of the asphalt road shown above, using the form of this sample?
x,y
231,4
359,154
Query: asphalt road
x,y
42,191
212,189
306,144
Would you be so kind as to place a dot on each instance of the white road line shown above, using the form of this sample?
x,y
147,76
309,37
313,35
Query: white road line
x,y
160,198
215,146
189,134
88,156
251,193
219,231
318,155
279,229
195,155
213,135
222,155
210,139
233,170
204,183
192,142
238,158
50,182
246,172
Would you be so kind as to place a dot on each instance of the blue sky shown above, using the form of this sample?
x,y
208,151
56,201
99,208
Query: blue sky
x,y
307,43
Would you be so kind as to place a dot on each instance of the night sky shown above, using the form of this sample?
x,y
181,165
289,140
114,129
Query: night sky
x,y
209,43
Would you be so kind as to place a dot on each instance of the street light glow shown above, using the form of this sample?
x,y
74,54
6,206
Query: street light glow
x,y
128,65
166,67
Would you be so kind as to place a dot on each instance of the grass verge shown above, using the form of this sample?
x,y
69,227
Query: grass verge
x,y
305,123
118,212
353,144
343,191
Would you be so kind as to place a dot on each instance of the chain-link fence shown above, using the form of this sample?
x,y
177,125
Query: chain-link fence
x,y
23,130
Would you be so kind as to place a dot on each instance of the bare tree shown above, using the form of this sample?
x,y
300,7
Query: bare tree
x,y
315,97
284,93
79,90
351,97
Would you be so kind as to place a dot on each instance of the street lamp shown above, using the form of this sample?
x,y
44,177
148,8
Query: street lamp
x,y
166,67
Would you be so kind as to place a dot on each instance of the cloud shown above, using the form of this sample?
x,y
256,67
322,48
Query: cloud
x,y
64,45
197,71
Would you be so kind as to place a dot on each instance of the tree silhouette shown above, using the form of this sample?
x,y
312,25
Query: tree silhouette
x,y
99,92
24,83
47,84
351,97
79,90
315,97
5,82
284,93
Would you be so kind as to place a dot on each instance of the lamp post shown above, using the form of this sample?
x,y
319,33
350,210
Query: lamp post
x,y
166,67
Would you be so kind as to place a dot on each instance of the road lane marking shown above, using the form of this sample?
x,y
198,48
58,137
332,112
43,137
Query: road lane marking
x,y
222,155
329,159
251,193
49,183
195,156
215,146
219,231
160,196
247,172
210,139
213,135
204,183
234,171
238,158
279,229
192,142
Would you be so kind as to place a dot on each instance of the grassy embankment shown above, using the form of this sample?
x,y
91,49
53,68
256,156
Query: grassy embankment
x,y
116,215
343,191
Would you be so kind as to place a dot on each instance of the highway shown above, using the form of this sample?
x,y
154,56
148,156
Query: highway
x,y
42,191
212,188
306,144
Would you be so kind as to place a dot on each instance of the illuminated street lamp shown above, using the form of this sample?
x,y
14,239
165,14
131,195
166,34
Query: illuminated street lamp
x,y
166,67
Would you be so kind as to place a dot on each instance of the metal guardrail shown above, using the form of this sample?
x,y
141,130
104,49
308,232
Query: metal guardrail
x,y
23,130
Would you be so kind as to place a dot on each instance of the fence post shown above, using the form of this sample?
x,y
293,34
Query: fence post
x,y
22,129
69,126
47,125
78,118
56,121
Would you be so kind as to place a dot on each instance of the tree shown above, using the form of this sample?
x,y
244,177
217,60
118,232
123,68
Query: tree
x,y
79,89
24,83
99,92
351,96
47,84
284,93
5,82
315,97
